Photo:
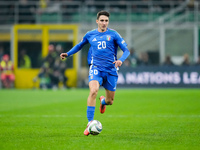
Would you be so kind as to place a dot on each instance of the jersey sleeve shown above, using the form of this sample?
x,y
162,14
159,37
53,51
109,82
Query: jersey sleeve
x,y
122,44
79,46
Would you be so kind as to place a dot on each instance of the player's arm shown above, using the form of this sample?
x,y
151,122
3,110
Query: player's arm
x,y
75,49
125,54
122,44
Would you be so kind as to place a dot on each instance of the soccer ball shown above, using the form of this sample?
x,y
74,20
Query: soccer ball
x,y
95,127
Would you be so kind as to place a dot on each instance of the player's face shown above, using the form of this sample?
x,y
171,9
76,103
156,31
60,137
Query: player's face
x,y
102,23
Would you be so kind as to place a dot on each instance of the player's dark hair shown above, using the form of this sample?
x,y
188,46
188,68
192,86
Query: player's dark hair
x,y
103,12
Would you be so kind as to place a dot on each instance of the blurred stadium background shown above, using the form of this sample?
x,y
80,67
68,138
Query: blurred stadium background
x,y
155,30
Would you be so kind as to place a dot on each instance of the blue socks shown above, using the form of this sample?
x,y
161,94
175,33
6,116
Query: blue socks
x,y
91,110
90,113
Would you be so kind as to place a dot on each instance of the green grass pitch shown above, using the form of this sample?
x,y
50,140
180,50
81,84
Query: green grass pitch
x,y
139,119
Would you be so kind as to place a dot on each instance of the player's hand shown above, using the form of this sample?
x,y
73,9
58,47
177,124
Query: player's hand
x,y
117,63
63,55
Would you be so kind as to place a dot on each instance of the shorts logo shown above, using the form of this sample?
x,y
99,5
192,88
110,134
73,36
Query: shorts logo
x,y
108,37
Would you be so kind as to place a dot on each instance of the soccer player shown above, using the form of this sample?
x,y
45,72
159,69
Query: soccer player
x,y
104,65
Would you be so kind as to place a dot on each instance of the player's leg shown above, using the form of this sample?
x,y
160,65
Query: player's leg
x,y
91,102
110,87
109,97
108,100
95,80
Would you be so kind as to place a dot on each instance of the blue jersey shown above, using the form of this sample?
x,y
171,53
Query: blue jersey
x,y
103,49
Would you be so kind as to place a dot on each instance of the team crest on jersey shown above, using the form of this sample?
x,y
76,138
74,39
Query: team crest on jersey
x,y
108,37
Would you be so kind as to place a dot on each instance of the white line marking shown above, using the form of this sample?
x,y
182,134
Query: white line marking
x,y
42,116
111,116
158,116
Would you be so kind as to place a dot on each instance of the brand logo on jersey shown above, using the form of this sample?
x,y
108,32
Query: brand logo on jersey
x,y
94,40
108,37
123,42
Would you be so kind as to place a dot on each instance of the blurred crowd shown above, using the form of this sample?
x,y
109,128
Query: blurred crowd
x,y
51,74
143,59
52,71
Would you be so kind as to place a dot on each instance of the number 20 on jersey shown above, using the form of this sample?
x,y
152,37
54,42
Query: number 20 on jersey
x,y
102,45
